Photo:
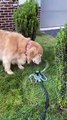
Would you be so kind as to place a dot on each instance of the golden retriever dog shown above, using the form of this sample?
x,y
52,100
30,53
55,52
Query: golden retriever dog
x,y
15,48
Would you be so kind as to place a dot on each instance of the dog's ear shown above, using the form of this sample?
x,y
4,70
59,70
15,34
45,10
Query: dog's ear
x,y
31,53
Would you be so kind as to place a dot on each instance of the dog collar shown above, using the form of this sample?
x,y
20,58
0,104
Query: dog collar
x,y
26,47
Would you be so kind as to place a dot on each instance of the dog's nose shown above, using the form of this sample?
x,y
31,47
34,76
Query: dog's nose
x,y
34,61
37,63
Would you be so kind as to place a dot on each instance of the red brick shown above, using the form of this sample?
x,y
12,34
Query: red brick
x,y
6,15
1,16
3,8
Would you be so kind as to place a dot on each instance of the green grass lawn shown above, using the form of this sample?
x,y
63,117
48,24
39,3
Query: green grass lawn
x,y
22,100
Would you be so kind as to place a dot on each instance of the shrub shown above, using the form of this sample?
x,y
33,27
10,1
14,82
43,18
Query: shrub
x,y
61,60
26,19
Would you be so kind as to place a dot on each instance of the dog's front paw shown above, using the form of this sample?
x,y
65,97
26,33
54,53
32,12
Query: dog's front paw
x,y
10,72
20,67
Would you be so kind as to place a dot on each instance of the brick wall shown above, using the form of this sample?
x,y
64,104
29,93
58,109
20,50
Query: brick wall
x,y
7,7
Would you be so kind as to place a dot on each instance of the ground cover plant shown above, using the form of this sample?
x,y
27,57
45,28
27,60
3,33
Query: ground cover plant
x,y
22,100
61,62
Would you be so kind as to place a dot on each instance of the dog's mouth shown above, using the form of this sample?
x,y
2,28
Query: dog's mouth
x,y
36,62
37,59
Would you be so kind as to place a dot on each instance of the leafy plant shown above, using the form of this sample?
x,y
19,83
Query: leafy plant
x,y
61,60
26,19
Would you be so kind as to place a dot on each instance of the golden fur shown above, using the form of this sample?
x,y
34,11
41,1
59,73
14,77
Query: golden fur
x,y
15,48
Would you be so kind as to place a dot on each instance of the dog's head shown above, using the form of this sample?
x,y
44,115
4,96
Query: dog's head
x,y
34,52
